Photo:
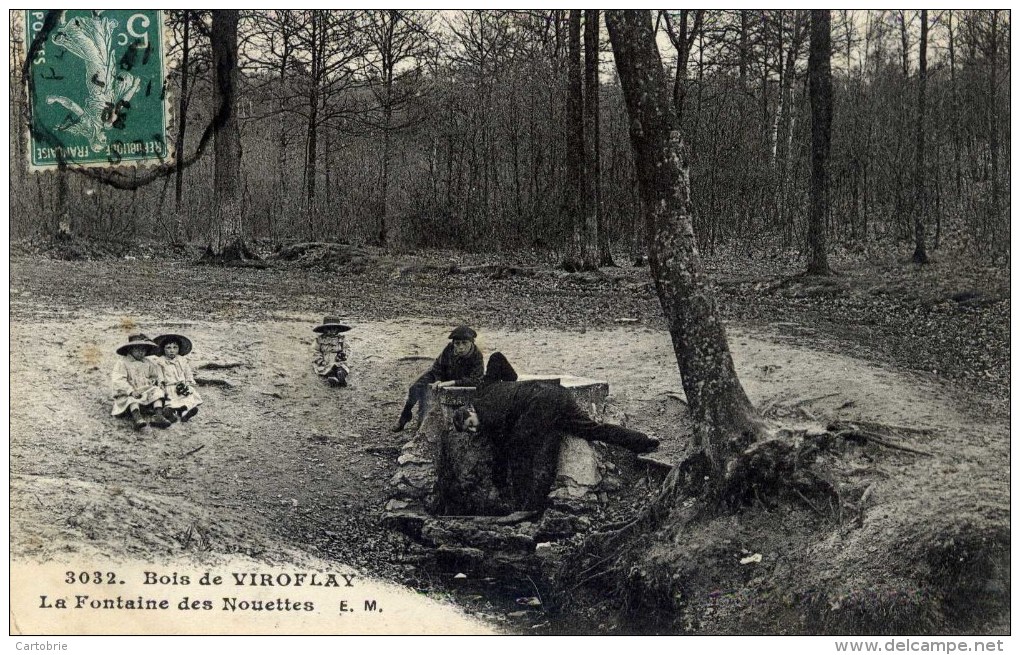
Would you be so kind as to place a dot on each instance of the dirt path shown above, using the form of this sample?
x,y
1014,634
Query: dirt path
x,y
278,466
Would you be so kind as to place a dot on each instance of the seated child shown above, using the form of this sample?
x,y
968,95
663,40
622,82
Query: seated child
x,y
179,380
332,352
460,363
138,382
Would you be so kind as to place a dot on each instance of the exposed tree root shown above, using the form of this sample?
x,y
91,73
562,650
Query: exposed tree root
x,y
770,472
496,271
297,250
577,266
678,543
763,473
885,427
236,253
852,432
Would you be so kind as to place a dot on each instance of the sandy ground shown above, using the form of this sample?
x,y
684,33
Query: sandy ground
x,y
280,470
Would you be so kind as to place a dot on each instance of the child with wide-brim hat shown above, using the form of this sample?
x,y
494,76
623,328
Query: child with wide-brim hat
x,y
178,378
138,382
332,352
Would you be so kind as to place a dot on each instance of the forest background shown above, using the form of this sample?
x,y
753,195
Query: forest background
x,y
420,129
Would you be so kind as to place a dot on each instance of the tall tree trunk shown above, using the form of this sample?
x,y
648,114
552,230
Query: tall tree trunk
x,y
848,28
227,173
954,123
327,202
784,123
921,204
574,200
311,138
182,113
282,168
820,88
384,185
682,41
774,137
904,45
764,123
745,51
695,145
61,213
993,115
386,50
449,173
726,420
596,239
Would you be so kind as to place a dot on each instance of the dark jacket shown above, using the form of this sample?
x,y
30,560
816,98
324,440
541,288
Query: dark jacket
x,y
520,419
498,370
501,405
524,422
466,371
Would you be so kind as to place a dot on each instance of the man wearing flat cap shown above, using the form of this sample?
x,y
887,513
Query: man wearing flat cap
x,y
459,363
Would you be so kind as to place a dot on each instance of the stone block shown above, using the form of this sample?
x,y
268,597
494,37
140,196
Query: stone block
x,y
459,558
470,532
578,463
412,458
394,505
556,525
590,394
407,521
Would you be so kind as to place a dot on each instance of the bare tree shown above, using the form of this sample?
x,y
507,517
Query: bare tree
x,y
782,122
904,25
574,192
820,82
482,58
682,39
726,421
954,110
271,51
793,34
230,241
744,53
399,44
182,107
921,204
596,236
327,63
186,19
993,119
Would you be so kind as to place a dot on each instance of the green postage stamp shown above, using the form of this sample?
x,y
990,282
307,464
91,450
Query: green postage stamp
x,y
96,87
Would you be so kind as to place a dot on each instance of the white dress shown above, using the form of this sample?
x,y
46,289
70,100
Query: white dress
x,y
177,371
331,356
131,375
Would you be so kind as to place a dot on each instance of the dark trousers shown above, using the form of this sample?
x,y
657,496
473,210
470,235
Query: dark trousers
x,y
525,460
418,394
574,421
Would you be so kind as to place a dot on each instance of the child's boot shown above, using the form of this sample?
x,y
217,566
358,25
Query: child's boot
x,y
405,416
158,419
188,415
136,417
170,414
